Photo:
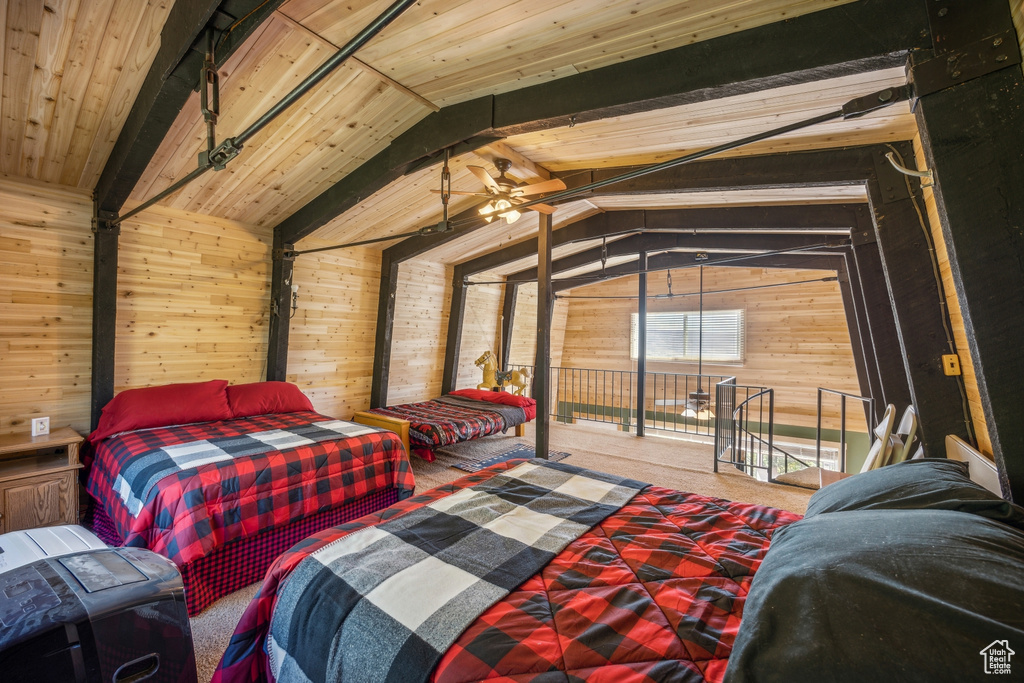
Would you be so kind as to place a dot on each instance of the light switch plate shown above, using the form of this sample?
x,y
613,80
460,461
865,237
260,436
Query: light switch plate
x,y
40,426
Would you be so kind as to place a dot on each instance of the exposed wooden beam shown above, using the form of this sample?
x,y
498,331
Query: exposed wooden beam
x,y
522,167
981,212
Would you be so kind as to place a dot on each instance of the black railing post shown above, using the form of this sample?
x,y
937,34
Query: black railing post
x,y
641,344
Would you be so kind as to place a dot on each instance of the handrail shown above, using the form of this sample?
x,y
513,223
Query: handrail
x,y
842,422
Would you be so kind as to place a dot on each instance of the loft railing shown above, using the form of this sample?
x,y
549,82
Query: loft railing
x,y
843,397
745,435
674,402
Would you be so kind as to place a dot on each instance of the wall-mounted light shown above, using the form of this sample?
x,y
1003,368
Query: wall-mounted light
x,y
295,300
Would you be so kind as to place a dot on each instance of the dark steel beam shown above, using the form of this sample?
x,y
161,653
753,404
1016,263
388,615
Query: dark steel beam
x,y
280,314
453,345
972,141
542,365
385,327
657,242
508,321
919,306
104,315
641,345
172,77
740,218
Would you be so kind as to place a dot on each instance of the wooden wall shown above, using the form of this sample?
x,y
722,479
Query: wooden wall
x,y
422,299
524,335
331,338
481,330
45,305
192,299
796,336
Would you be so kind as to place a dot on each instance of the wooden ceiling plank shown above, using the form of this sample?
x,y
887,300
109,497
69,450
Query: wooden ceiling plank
x,y
90,23
144,46
362,65
657,81
177,154
22,28
55,34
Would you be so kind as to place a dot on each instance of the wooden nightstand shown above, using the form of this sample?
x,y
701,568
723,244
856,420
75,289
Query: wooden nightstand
x,y
38,480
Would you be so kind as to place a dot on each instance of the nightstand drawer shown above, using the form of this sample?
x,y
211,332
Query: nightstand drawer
x,y
42,500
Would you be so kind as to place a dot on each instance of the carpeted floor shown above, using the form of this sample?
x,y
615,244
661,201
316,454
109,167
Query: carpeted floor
x,y
669,462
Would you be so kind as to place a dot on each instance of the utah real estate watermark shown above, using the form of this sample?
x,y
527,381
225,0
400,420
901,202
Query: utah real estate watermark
x,y
997,657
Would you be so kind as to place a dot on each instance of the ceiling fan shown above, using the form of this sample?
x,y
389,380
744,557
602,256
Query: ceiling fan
x,y
504,194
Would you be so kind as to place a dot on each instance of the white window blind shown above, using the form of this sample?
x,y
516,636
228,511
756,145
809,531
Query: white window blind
x,y
675,336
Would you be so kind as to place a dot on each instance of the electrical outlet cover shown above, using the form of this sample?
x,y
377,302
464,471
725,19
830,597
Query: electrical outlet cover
x,y
40,426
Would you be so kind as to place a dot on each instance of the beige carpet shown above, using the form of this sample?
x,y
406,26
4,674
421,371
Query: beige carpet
x,y
668,462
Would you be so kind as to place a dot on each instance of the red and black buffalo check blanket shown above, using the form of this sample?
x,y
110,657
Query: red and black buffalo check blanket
x,y
224,489
450,419
655,592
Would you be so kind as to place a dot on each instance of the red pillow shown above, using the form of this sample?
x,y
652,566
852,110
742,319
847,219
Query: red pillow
x,y
502,397
261,398
170,404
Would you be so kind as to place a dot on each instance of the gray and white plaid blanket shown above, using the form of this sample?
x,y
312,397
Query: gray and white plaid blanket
x,y
136,481
384,603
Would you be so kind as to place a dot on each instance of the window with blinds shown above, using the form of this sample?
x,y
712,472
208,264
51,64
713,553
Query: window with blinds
x,y
676,336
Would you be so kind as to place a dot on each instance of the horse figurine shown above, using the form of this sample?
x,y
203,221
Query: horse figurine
x,y
520,380
489,366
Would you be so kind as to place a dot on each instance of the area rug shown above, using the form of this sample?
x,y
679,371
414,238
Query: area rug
x,y
518,451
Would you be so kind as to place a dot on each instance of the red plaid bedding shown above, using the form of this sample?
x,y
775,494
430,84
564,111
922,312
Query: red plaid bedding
x,y
655,592
433,424
190,513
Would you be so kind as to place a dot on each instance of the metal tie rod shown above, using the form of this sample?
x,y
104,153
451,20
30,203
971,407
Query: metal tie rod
x,y
229,149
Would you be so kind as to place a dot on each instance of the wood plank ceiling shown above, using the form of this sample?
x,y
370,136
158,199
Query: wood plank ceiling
x,y
73,67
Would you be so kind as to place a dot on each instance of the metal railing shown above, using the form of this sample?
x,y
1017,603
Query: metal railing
x,y
674,402
842,422
745,435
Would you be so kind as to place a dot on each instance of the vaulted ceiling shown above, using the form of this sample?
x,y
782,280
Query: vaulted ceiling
x,y
73,68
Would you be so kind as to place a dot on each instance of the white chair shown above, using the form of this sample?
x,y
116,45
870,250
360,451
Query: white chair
x,y
881,447
906,431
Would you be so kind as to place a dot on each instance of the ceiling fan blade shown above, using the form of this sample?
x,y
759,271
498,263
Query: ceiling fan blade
x,y
542,208
553,185
472,194
485,178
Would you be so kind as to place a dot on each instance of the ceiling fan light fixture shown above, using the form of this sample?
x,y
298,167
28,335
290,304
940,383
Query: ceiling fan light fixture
x,y
502,208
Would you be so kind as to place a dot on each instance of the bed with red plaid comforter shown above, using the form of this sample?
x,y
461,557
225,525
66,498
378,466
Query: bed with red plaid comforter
x,y
449,420
655,592
193,510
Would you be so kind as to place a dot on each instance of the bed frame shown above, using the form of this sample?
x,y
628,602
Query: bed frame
x,y
401,427
982,470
